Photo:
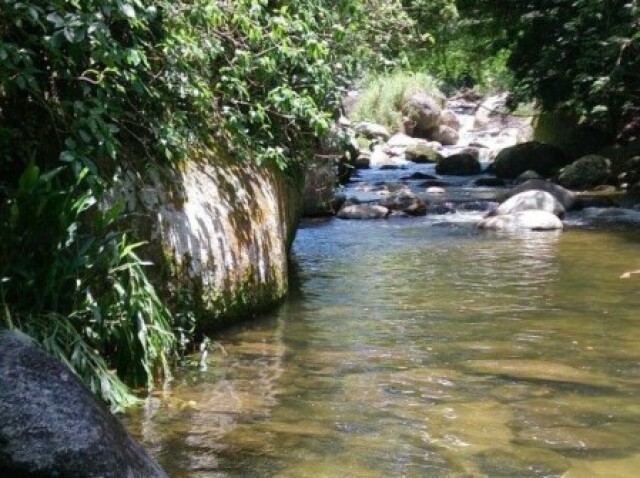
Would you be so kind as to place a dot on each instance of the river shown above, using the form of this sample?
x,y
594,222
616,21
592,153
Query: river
x,y
422,347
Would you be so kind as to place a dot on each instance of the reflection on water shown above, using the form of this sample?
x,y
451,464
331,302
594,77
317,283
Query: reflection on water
x,y
413,349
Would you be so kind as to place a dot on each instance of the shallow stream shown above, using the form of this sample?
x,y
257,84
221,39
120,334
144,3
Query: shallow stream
x,y
421,347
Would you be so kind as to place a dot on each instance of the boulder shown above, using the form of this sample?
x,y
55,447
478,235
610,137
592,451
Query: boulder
x,y
52,426
372,131
527,175
449,118
388,187
401,140
433,183
566,197
478,206
321,180
535,200
523,220
418,176
405,201
422,113
440,208
490,182
363,161
444,134
630,174
463,164
492,107
422,152
539,157
585,173
363,211
379,158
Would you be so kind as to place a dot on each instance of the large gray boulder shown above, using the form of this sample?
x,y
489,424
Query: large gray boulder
x,y
52,426
450,119
542,158
422,113
585,173
566,197
462,164
533,200
523,220
444,135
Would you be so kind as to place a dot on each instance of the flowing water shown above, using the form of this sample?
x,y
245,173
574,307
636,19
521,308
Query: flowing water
x,y
422,347
419,348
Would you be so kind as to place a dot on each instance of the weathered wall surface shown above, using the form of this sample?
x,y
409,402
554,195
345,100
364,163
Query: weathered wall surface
x,y
218,232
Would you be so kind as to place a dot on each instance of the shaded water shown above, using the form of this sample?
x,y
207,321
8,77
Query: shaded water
x,y
418,348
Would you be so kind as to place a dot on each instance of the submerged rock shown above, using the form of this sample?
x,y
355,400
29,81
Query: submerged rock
x,y
52,426
440,208
575,439
539,370
418,176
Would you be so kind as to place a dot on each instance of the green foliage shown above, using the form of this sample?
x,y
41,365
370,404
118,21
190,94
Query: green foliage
x,y
577,56
383,96
79,288
453,46
90,88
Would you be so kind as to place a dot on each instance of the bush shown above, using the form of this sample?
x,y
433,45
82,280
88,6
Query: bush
x,y
383,95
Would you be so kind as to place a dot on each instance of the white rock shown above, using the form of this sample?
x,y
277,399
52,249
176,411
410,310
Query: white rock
x,y
536,200
524,220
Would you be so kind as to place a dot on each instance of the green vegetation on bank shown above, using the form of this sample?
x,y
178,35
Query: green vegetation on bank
x,y
89,89
382,98
578,57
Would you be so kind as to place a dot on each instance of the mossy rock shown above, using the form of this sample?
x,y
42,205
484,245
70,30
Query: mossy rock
x,y
542,158
420,152
463,164
585,173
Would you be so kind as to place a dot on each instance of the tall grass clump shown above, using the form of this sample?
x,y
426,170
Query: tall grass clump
x,y
72,281
382,97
